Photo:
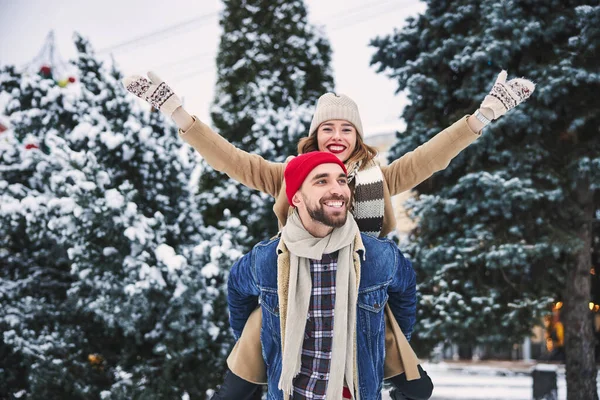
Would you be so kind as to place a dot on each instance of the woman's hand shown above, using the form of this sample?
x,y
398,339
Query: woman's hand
x,y
503,97
160,96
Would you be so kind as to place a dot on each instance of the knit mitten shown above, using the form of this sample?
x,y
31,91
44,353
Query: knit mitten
x,y
505,95
155,91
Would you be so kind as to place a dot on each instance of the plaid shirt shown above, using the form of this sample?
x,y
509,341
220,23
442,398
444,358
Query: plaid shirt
x,y
311,382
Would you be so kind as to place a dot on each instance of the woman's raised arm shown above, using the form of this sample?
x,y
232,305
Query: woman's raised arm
x,y
250,170
415,166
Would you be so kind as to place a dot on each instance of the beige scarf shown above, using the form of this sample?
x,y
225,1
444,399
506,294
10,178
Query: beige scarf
x,y
302,247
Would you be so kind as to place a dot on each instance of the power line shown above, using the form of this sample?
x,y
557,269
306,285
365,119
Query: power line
x,y
395,5
180,26
193,73
356,10
339,26
182,61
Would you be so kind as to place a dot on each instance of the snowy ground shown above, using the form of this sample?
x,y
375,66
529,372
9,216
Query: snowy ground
x,y
483,384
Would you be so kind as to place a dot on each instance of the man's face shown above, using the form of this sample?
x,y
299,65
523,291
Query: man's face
x,y
325,195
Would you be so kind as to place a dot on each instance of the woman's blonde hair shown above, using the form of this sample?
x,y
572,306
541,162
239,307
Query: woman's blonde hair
x,y
362,151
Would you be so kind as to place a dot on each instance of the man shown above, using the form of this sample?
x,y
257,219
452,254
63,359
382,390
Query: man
x,y
323,287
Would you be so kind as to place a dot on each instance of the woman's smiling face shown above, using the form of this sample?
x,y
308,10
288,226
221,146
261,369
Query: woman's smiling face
x,y
337,136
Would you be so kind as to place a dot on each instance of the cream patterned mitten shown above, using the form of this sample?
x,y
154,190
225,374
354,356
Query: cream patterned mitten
x,y
505,96
155,91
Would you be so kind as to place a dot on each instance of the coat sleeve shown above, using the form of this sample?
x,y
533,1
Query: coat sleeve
x,y
242,293
415,166
403,293
250,170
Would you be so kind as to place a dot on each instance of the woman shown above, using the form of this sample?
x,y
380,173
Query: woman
x,y
336,128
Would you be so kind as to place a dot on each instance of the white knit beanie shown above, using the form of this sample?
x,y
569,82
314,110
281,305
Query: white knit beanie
x,y
334,106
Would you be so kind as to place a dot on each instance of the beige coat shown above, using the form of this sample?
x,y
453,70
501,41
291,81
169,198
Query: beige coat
x,y
403,174
255,172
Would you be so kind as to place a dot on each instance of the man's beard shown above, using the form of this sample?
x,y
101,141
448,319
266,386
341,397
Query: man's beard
x,y
318,213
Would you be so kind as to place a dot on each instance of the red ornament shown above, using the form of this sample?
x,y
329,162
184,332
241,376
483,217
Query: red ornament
x,y
72,79
30,146
46,71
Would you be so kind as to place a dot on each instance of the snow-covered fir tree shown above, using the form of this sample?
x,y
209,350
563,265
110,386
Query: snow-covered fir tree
x,y
507,228
272,66
110,285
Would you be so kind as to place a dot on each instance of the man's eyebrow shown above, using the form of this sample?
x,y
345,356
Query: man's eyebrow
x,y
326,175
319,176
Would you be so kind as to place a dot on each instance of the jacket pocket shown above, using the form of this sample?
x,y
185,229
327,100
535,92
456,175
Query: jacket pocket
x,y
270,305
370,311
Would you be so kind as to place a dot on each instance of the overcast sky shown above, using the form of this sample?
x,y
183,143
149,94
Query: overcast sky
x,y
179,39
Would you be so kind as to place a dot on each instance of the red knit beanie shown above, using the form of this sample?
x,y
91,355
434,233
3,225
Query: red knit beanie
x,y
299,167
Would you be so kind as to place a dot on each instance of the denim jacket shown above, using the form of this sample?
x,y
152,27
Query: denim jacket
x,y
385,277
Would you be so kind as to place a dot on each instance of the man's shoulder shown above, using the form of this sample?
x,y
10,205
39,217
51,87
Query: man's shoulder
x,y
268,244
264,260
376,242
381,249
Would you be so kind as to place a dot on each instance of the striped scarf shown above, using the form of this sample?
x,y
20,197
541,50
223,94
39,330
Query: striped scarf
x,y
367,202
